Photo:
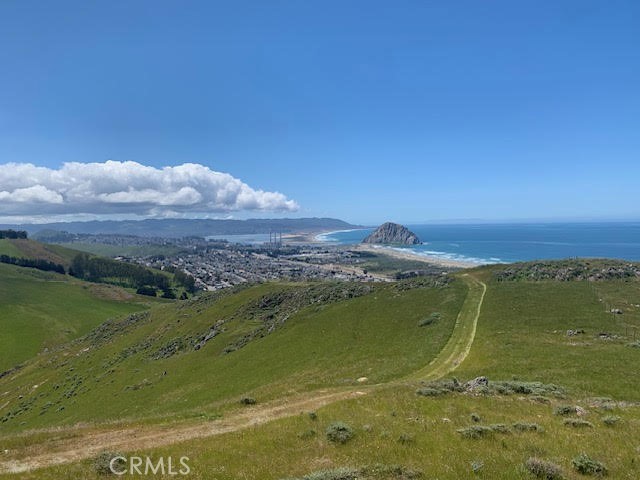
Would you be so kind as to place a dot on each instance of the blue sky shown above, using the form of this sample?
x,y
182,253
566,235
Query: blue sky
x,y
361,110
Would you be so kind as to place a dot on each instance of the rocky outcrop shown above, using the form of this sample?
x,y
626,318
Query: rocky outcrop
x,y
392,233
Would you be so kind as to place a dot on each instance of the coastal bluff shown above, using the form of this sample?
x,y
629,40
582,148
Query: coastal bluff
x,y
392,233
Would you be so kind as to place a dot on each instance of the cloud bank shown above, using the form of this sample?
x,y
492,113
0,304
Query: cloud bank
x,y
118,188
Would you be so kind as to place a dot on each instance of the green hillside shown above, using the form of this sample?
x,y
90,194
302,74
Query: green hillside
x,y
523,328
41,310
7,247
25,248
274,339
95,268
390,361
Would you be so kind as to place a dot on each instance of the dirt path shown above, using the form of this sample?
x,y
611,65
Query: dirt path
x,y
140,438
88,445
464,332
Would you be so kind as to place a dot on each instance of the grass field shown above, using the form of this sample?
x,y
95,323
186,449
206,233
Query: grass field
x,y
395,427
8,248
522,333
375,336
274,345
41,310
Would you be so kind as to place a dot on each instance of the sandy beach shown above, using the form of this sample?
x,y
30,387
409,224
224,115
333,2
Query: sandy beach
x,y
409,255
311,238
305,238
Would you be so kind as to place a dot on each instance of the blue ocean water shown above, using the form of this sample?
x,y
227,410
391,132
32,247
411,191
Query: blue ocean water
x,y
500,243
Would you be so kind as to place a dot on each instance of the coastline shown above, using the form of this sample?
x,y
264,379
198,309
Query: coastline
x,y
409,255
313,237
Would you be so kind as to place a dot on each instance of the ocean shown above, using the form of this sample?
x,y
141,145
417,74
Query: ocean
x,y
505,243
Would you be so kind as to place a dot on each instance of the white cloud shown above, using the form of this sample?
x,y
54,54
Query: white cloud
x,y
124,188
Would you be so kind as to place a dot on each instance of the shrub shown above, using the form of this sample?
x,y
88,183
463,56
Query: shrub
x,y
307,434
339,432
248,401
405,439
543,469
431,392
102,463
527,427
147,290
527,388
577,423
389,471
333,474
476,466
434,317
499,428
565,410
587,466
475,431
313,415
479,431
610,420
440,387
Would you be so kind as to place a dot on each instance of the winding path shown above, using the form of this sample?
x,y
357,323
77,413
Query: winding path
x,y
89,444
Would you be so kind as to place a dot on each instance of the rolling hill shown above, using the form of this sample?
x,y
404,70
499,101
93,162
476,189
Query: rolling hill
x,y
25,248
555,394
41,310
267,341
44,309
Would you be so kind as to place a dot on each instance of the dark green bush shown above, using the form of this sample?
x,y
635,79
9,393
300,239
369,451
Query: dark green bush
x,y
565,410
434,317
587,466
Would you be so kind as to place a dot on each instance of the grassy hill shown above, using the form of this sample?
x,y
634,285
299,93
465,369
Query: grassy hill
x,y
42,309
266,341
94,267
523,329
25,248
561,372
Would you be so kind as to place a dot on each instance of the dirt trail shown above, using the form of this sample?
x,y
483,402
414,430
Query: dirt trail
x,y
139,438
464,332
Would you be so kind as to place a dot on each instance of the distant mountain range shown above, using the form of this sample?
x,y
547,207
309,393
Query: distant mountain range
x,y
190,227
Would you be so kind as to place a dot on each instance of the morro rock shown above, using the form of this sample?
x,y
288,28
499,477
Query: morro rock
x,y
392,233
